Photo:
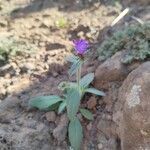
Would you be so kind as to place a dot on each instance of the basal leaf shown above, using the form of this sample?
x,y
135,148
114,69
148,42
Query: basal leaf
x,y
75,134
95,91
73,102
87,114
86,80
62,106
44,102
54,107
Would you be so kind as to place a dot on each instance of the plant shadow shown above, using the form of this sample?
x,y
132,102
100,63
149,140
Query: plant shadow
x,y
62,5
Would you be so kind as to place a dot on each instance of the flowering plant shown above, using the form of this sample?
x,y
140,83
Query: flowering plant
x,y
73,93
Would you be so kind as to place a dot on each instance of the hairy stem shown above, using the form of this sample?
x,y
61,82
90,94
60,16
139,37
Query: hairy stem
x,y
79,76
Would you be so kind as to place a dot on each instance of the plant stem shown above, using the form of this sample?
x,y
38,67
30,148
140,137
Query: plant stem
x,y
79,76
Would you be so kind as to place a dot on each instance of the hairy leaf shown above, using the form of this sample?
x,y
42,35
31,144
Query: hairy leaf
x,y
95,91
86,80
72,59
75,134
86,113
44,102
73,102
75,66
65,85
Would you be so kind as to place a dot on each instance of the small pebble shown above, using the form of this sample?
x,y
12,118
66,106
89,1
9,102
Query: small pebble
x,y
89,126
50,116
100,146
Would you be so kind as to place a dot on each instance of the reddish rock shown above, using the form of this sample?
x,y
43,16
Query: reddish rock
x,y
113,70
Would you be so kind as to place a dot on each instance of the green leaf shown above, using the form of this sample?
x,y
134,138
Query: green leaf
x,y
44,102
54,107
65,85
75,134
73,102
75,66
62,106
62,85
72,59
86,113
86,80
95,91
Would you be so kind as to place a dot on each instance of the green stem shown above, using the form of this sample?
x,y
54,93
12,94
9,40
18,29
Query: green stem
x,y
79,76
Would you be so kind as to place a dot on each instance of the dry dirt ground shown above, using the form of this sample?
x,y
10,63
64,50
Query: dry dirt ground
x,y
36,24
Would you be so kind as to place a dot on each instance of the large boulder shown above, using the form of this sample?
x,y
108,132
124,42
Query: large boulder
x,y
112,70
134,96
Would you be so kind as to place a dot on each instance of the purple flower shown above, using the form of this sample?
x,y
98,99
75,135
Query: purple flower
x,y
81,46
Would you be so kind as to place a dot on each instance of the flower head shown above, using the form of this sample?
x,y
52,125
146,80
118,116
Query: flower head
x,y
81,46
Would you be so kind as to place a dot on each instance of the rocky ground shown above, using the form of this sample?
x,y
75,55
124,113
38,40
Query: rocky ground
x,y
37,24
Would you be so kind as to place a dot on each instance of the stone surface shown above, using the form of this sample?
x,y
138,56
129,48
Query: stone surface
x,y
135,119
105,126
111,70
111,97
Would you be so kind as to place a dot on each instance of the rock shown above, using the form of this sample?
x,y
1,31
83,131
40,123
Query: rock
x,y
107,143
50,116
89,126
100,146
80,34
60,131
135,119
111,70
105,126
91,103
111,97
27,66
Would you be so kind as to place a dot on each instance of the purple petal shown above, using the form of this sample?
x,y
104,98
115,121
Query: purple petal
x,y
81,46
